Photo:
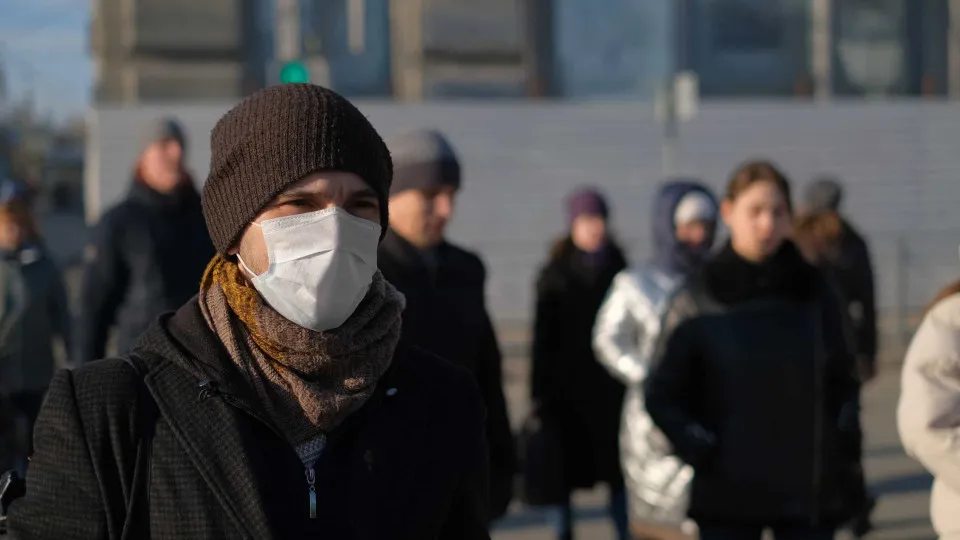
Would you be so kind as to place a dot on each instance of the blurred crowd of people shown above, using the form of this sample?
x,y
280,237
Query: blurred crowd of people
x,y
339,342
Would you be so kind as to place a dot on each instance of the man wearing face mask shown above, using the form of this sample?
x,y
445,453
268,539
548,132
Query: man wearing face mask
x,y
444,286
147,254
280,402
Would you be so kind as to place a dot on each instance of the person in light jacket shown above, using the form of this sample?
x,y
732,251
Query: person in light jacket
x,y
627,327
928,415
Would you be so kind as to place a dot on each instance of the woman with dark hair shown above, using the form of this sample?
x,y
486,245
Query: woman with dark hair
x,y
572,394
928,415
754,384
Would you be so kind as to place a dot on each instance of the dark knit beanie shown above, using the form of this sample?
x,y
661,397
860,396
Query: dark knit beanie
x,y
423,160
586,201
276,137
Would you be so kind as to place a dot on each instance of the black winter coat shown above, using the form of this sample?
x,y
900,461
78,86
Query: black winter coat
x,y
574,392
146,257
854,276
446,314
410,464
754,385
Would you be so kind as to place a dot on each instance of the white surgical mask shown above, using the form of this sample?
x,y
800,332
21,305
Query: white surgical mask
x,y
321,266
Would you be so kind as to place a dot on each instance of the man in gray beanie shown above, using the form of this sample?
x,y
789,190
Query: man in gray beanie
x,y
444,285
147,253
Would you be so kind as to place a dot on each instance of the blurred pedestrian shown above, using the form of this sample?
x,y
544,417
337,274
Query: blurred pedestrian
x,y
928,415
281,401
850,266
34,314
148,253
444,285
854,272
571,393
628,326
754,384
819,235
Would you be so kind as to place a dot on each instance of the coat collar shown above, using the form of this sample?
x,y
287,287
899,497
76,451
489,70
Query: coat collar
x,y
187,355
407,257
208,430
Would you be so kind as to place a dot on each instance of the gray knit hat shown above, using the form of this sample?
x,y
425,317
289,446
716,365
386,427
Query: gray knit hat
x,y
823,195
163,129
276,137
423,159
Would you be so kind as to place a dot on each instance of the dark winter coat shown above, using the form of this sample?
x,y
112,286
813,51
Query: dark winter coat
x,y
446,314
146,257
34,312
572,390
854,276
755,387
410,464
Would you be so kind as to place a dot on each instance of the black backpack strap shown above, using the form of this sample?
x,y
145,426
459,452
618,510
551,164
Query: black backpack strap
x,y
137,523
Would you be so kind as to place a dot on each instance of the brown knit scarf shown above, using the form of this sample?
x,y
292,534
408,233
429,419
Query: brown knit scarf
x,y
308,382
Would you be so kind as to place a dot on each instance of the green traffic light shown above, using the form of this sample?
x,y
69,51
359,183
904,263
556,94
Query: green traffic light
x,y
294,72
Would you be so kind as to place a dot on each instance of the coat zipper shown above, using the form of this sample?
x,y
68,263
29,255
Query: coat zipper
x,y
209,389
309,472
312,487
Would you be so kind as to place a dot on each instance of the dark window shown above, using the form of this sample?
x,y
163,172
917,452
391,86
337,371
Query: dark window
x,y
747,25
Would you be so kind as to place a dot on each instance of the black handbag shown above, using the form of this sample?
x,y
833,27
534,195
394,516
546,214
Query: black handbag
x,y
544,482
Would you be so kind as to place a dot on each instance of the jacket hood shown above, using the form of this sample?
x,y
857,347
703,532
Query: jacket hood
x,y
670,254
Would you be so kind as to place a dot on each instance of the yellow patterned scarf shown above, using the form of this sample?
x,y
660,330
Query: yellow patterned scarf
x,y
307,381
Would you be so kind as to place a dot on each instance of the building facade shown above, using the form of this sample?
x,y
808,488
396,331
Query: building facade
x,y
174,50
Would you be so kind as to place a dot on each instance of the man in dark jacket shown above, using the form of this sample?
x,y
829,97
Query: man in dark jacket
x,y
444,285
854,273
280,402
147,254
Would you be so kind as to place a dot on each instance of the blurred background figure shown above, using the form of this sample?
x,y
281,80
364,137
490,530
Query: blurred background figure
x,y
571,393
853,270
928,415
819,236
148,253
754,386
627,330
34,313
446,310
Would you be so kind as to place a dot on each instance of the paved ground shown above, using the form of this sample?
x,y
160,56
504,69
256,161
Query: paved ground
x,y
902,484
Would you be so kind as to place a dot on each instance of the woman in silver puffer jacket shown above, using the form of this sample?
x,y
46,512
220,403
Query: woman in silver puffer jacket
x,y
625,336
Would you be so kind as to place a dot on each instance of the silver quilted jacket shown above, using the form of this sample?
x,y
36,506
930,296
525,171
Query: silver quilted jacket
x,y
625,336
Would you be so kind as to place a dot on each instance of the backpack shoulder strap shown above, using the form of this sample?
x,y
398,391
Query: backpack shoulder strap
x,y
137,523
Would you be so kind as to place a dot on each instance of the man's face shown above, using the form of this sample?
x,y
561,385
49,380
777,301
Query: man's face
x,y
318,191
421,216
161,165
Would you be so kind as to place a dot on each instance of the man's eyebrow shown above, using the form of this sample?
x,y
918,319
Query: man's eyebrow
x,y
364,193
298,193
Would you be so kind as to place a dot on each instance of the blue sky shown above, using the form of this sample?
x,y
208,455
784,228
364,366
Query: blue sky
x,y
44,45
